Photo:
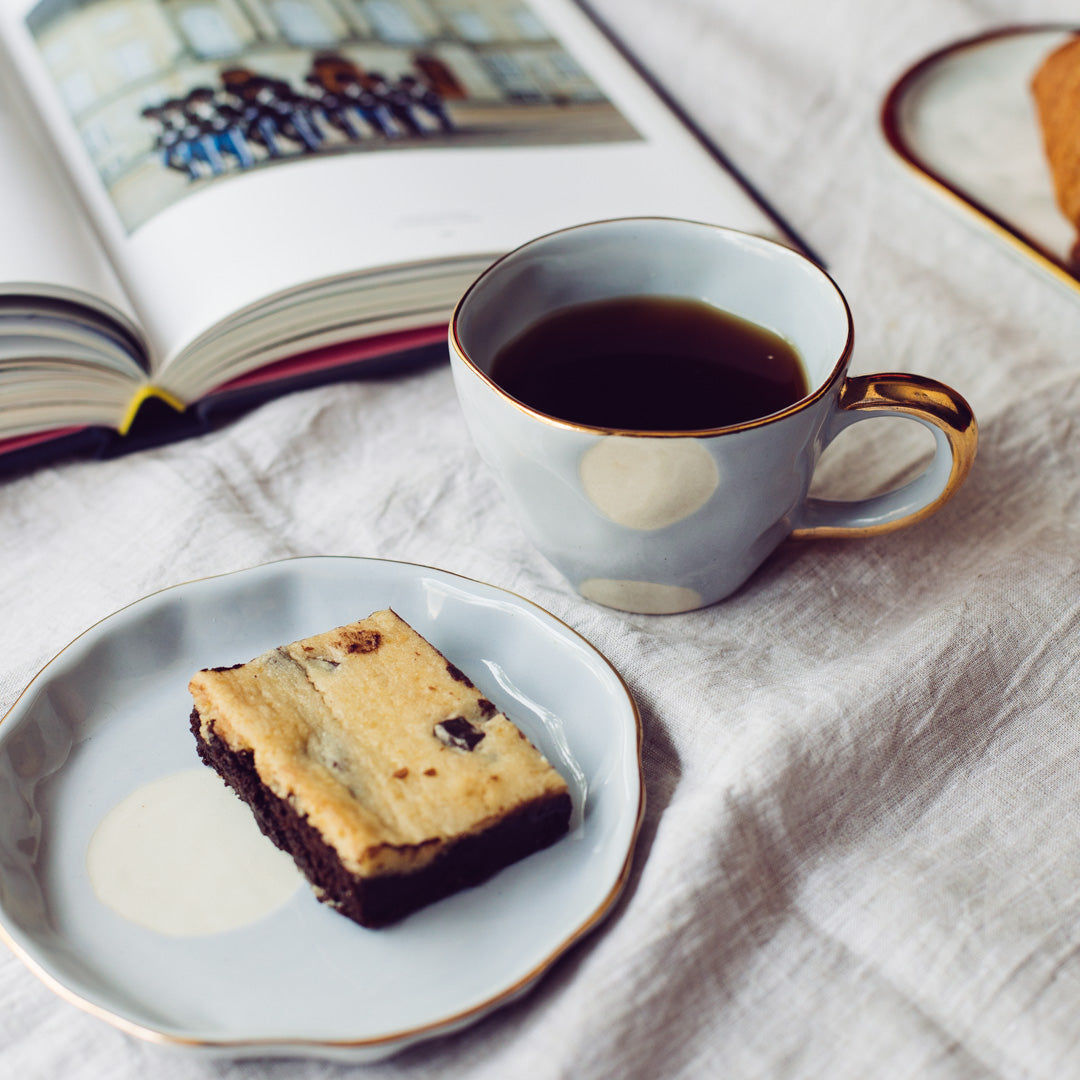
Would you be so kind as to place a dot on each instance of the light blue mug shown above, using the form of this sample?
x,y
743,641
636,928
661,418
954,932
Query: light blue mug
x,y
664,522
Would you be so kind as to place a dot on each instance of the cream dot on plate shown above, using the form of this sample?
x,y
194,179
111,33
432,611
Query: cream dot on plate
x,y
183,856
648,483
643,597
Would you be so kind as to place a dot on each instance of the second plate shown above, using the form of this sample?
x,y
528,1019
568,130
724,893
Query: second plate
x,y
964,119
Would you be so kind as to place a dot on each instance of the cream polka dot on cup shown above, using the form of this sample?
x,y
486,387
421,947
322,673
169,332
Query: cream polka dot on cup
x,y
648,483
644,597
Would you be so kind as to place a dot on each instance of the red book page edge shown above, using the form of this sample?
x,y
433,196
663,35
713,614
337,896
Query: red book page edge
x,y
21,442
331,356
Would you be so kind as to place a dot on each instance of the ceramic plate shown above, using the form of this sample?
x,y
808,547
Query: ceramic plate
x,y
964,119
109,715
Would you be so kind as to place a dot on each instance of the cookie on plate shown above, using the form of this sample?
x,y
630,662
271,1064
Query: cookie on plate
x,y
378,765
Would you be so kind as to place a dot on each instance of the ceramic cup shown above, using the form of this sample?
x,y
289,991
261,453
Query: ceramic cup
x,y
664,522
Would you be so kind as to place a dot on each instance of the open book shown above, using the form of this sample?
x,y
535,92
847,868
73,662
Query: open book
x,y
206,202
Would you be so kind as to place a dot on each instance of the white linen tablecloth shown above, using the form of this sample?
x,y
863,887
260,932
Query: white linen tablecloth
x,y
861,855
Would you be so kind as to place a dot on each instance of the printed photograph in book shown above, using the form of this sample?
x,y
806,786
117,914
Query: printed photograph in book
x,y
172,95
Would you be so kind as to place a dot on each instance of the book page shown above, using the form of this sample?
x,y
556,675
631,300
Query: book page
x,y
48,248
228,153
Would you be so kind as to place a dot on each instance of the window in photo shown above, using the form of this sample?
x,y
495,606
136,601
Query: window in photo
x,y
114,20
208,31
472,26
58,53
393,22
78,91
515,81
98,142
308,25
530,27
566,65
133,60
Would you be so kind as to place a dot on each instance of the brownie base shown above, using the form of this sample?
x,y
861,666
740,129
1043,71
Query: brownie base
x,y
380,900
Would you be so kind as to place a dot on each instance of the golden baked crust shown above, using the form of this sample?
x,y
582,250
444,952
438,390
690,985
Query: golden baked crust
x,y
1056,89
364,730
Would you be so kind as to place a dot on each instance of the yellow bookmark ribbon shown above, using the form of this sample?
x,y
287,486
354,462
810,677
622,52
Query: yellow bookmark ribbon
x,y
141,395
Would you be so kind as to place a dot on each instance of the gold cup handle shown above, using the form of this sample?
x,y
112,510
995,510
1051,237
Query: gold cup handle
x,y
939,408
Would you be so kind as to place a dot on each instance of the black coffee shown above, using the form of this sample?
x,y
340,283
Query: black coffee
x,y
650,363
